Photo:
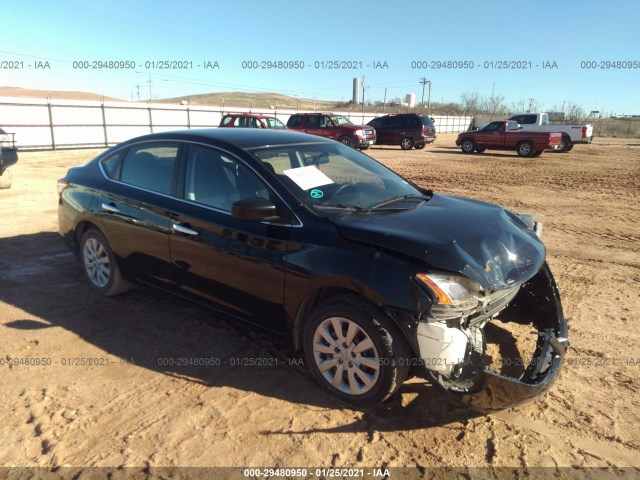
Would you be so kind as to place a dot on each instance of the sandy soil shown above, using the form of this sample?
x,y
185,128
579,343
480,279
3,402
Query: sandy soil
x,y
133,410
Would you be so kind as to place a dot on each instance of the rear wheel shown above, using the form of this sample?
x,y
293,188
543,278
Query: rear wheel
x,y
6,179
467,146
99,264
406,143
354,351
525,149
566,145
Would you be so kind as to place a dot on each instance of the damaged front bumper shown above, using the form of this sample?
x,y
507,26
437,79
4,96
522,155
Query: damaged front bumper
x,y
538,303
493,380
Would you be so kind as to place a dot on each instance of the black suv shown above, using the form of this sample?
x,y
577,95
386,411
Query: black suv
x,y
405,129
336,127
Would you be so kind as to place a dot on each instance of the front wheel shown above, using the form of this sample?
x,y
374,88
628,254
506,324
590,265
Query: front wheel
x,y
6,179
467,146
525,149
99,264
346,141
354,351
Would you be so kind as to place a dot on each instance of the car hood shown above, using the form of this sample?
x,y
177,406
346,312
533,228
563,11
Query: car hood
x,y
480,240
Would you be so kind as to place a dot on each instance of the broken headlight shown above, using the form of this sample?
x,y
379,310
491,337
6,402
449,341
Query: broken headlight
x,y
456,296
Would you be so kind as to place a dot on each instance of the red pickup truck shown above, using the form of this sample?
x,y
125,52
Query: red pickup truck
x,y
507,135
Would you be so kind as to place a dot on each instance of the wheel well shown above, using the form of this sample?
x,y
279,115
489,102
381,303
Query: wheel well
x,y
308,304
315,298
81,229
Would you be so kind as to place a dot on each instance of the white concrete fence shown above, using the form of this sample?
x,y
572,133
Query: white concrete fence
x,y
64,124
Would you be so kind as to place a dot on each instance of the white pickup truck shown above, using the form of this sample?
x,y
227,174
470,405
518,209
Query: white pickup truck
x,y
571,134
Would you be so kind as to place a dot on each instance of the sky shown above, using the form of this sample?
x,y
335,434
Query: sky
x,y
551,53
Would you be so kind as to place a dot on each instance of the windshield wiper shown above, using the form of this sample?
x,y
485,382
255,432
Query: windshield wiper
x,y
398,198
341,206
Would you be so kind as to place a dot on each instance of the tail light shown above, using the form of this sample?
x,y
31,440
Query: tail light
x,y
62,184
584,132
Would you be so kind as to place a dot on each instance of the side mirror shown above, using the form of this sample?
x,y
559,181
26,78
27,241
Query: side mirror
x,y
255,209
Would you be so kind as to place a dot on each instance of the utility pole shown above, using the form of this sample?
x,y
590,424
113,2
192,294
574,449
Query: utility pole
x,y
384,102
138,90
530,103
150,93
363,86
424,81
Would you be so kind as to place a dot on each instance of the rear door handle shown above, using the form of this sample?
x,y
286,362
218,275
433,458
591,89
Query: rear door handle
x,y
182,229
111,208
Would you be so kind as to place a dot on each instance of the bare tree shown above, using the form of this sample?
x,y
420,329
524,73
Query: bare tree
x,y
470,103
494,104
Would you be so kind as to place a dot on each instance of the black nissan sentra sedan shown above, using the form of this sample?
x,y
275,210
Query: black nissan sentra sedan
x,y
369,273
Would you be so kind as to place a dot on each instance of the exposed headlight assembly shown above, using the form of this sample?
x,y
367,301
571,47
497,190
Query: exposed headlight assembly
x,y
456,296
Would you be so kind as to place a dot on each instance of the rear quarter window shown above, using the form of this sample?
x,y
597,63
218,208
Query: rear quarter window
x,y
427,121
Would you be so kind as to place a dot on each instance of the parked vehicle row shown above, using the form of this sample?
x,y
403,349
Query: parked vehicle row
x,y
407,130
368,273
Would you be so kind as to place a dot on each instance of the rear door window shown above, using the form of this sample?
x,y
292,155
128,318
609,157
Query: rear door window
x,y
150,166
295,121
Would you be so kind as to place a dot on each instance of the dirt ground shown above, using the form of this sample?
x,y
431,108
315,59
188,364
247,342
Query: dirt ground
x,y
130,408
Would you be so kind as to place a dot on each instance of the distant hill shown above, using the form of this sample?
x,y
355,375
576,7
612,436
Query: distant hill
x,y
255,100
53,94
227,99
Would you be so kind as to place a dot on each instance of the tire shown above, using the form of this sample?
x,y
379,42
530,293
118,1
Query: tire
x,y
406,143
346,140
362,370
467,145
420,146
566,145
100,266
480,150
525,149
569,147
6,179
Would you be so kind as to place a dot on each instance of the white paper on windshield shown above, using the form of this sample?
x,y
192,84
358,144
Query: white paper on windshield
x,y
307,177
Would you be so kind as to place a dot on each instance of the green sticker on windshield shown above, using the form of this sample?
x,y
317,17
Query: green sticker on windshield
x,y
316,193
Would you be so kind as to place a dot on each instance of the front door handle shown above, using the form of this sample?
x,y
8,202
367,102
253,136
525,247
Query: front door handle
x,y
110,207
182,229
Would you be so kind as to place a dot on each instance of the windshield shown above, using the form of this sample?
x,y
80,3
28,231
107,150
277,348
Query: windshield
x,y
341,120
328,176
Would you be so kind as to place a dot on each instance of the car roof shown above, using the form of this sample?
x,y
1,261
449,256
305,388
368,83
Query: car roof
x,y
252,115
245,138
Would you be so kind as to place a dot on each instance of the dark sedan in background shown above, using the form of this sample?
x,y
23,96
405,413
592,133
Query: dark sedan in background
x,y
369,273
